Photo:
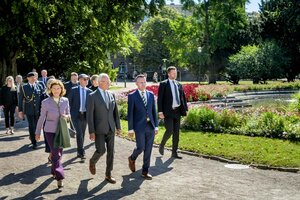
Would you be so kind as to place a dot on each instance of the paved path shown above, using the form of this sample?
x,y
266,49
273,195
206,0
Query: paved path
x,y
24,174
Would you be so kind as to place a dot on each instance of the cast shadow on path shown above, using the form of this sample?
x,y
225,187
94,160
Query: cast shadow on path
x,y
130,184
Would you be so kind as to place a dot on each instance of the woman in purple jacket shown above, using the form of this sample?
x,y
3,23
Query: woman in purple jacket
x,y
52,108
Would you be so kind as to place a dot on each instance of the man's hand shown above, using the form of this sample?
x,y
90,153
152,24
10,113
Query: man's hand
x,y
118,132
21,115
92,136
37,137
161,116
156,131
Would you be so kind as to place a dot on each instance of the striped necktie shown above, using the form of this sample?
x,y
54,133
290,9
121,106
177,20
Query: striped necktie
x,y
144,99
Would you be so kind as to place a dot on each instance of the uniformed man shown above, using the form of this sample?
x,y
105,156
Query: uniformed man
x,y
30,103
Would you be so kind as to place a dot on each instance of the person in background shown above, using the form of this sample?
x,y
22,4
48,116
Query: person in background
x,y
172,105
42,85
9,102
142,121
19,83
94,81
77,98
44,77
103,122
72,83
30,98
52,109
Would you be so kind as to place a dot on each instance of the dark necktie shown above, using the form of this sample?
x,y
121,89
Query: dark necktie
x,y
144,99
176,93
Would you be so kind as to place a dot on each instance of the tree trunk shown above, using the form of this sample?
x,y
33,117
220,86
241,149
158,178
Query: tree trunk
x,y
8,66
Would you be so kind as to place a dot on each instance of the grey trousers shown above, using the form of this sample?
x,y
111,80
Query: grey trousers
x,y
105,142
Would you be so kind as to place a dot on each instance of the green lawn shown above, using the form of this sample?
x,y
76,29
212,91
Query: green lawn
x,y
247,150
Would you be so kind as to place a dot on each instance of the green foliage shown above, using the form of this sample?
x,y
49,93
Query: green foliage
x,y
260,63
295,105
64,36
264,123
241,63
280,21
153,35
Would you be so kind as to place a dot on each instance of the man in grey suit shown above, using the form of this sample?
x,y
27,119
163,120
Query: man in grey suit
x,y
103,121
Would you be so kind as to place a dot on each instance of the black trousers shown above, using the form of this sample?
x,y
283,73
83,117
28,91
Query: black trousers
x,y
32,121
9,115
172,125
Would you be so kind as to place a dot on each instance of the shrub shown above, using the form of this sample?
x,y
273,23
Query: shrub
x,y
228,119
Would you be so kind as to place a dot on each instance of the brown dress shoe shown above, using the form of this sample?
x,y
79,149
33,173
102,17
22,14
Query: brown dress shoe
x,y
131,164
110,179
146,175
92,168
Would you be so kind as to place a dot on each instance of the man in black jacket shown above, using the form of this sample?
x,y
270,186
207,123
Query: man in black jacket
x,y
171,106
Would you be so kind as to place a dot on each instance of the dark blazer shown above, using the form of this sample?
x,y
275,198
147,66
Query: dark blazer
x,y
138,113
165,99
30,100
74,100
8,97
68,86
100,119
41,80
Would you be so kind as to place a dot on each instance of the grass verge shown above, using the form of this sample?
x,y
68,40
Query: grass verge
x,y
247,150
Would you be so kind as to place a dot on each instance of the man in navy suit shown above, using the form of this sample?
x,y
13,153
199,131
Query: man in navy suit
x,y
77,100
172,105
142,121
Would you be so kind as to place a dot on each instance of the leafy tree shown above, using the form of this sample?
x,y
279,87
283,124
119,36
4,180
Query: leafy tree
x,y
241,64
281,21
153,35
67,35
220,26
259,63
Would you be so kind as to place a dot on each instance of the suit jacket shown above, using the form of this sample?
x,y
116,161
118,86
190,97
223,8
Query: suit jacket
x,y
49,114
138,113
29,99
101,119
165,99
74,100
68,86
42,80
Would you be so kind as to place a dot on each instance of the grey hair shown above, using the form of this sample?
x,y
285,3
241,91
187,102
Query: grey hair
x,y
101,76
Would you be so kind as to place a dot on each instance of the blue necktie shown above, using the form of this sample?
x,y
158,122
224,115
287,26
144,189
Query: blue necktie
x,y
83,100
176,93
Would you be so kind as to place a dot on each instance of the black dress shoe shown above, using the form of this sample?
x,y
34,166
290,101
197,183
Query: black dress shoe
x,y
176,156
34,146
146,176
161,150
110,179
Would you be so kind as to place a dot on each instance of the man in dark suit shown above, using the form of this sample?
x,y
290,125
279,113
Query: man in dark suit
x,y
104,121
72,83
171,106
78,97
142,121
29,104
